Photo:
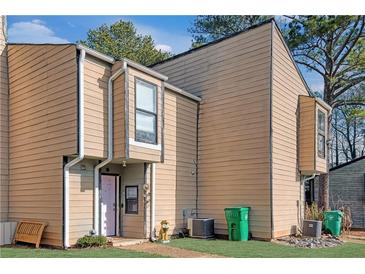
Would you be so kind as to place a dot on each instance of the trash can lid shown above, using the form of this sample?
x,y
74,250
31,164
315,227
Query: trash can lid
x,y
238,208
337,212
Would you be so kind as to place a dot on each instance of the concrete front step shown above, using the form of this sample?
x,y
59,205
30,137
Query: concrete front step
x,y
120,242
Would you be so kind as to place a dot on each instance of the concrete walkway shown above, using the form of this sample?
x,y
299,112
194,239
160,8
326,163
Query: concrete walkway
x,y
166,250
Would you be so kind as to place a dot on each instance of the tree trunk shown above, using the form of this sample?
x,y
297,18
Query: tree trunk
x,y
353,152
323,192
336,136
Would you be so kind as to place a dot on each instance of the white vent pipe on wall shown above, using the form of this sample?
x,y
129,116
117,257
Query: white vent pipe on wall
x,y
66,187
110,149
153,202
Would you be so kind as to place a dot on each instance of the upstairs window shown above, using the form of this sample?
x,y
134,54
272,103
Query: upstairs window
x,y
321,137
146,112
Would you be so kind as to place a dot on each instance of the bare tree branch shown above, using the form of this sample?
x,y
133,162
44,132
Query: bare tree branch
x,y
352,102
311,67
347,40
357,37
311,58
353,82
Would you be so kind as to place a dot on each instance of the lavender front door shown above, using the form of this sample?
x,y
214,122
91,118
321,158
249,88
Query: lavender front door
x,y
108,208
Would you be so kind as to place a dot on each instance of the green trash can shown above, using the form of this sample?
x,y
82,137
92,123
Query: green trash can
x,y
332,222
237,222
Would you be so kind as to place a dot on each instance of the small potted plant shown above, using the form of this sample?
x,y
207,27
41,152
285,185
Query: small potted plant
x,y
312,223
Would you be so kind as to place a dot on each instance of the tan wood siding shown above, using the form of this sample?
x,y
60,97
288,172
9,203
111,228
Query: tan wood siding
x,y
133,175
138,152
96,76
43,128
81,199
233,79
175,182
286,88
119,117
4,125
309,160
307,140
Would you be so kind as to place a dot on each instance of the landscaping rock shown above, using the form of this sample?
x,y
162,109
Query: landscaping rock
x,y
309,242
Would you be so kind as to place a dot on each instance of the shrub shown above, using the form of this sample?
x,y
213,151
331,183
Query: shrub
x,y
92,241
313,212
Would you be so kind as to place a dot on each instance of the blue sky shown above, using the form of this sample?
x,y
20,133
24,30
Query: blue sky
x,y
169,32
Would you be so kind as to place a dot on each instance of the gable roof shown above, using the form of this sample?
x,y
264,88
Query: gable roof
x,y
349,163
270,21
213,42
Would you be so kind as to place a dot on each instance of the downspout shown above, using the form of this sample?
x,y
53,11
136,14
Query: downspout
x,y
197,163
302,183
153,202
110,148
66,187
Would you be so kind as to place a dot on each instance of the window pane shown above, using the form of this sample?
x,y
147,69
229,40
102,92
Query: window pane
x,y
131,199
321,145
321,120
145,127
132,206
131,192
146,96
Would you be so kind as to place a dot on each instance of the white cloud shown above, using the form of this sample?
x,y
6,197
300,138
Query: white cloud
x,y
164,48
35,31
70,24
172,42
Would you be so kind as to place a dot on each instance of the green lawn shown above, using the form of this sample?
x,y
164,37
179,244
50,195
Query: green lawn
x,y
250,249
259,249
23,252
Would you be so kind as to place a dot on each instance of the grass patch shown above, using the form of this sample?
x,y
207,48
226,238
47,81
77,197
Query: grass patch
x,y
109,252
259,249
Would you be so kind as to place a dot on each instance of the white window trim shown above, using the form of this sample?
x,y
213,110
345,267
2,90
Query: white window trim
x,y
144,145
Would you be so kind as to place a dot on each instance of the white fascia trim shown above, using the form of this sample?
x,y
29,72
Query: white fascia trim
x,y
145,69
131,63
182,92
144,145
96,54
323,103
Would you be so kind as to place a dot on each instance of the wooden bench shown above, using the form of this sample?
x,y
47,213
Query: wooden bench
x,y
29,232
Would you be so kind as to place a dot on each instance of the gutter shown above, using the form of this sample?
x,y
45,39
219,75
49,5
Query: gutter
x,y
110,148
66,187
96,54
182,92
111,60
145,69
